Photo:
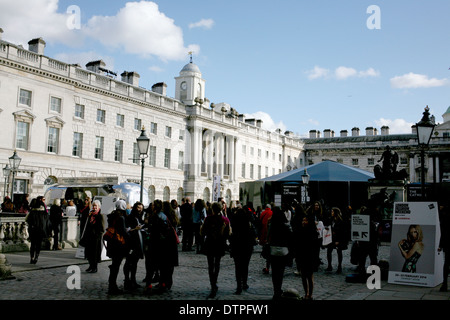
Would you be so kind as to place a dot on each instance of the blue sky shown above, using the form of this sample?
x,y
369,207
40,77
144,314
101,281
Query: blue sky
x,y
298,65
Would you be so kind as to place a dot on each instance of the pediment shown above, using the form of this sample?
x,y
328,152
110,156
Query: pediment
x,y
24,115
55,121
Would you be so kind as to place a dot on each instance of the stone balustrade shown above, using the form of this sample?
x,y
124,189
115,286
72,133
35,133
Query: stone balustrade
x,y
14,235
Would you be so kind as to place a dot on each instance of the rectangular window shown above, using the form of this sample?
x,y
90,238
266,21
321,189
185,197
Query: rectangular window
x,y
118,150
168,132
259,153
259,172
243,170
154,128
355,162
167,158
77,144
180,160
152,156
252,151
370,161
120,120
53,139
137,124
25,97
55,104
251,171
181,136
101,115
135,153
267,171
99,147
79,111
22,132
244,149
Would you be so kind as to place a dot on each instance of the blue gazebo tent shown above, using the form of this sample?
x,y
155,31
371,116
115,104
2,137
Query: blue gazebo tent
x,y
335,183
324,171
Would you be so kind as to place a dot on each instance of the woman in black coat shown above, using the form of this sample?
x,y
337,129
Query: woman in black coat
x,y
133,225
242,240
37,220
56,213
305,239
92,237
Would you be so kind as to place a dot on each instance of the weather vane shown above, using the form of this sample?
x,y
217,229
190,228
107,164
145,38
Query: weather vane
x,y
190,55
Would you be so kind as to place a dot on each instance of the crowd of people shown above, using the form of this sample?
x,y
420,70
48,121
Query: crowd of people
x,y
288,234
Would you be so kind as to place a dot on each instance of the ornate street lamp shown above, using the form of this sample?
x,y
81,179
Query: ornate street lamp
x,y
143,143
424,129
305,180
14,163
6,172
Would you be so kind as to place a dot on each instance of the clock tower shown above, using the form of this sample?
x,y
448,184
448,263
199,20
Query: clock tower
x,y
189,84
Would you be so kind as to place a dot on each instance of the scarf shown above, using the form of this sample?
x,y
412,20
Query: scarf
x,y
93,215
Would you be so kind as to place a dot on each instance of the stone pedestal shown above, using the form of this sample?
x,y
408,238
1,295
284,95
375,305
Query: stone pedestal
x,y
5,268
382,195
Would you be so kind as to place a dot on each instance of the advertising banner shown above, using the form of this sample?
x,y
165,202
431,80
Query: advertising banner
x,y
414,258
216,188
360,227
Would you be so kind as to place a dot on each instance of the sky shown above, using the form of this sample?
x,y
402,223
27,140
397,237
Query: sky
x,y
298,65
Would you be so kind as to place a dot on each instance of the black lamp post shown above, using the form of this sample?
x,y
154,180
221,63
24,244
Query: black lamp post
x,y
425,129
6,172
305,180
143,143
14,163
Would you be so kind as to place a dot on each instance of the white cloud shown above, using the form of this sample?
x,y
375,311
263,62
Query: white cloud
x,y
414,80
204,23
137,28
317,73
267,121
341,73
397,126
23,20
140,28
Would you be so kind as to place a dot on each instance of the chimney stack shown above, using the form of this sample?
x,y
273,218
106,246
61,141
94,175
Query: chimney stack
x,y
344,133
355,132
96,66
160,88
131,78
37,46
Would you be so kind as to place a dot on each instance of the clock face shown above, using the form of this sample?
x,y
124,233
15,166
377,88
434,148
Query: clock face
x,y
183,85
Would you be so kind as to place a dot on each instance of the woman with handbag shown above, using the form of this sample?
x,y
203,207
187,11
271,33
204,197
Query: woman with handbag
x,y
92,236
281,242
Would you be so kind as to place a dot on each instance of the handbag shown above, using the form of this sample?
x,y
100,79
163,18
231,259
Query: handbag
x,y
112,235
326,236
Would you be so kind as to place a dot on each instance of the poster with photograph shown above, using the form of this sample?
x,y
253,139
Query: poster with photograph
x,y
414,258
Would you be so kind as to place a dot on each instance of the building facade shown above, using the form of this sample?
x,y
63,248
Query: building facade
x,y
66,121
365,151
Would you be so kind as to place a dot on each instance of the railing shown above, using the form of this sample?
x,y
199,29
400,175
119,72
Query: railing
x,y
14,235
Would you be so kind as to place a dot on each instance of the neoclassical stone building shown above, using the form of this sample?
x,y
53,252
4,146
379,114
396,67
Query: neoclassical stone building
x,y
66,121
365,151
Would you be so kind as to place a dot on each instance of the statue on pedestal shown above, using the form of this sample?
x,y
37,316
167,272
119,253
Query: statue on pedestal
x,y
388,170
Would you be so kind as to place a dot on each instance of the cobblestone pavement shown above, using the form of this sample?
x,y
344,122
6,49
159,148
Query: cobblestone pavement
x,y
191,282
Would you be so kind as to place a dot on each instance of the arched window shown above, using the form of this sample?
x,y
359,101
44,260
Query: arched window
x,y
151,193
166,194
206,194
